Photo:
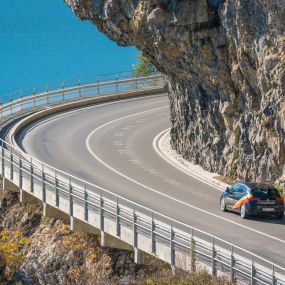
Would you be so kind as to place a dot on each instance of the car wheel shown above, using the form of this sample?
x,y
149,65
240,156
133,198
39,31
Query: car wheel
x,y
280,216
243,212
223,205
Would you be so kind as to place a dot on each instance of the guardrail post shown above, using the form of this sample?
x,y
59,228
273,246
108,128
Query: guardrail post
x,y
32,176
214,271
192,252
117,87
172,253
21,100
136,82
232,265
79,87
56,189
11,108
135,241
47,93
274,281
2,160
252,275
20,172
62,85
11,165
70,199
118,218
34,97
43,186
98,87
152,235
101,213
85,203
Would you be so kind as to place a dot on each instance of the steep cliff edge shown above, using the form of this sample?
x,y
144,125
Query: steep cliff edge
x,y
224,61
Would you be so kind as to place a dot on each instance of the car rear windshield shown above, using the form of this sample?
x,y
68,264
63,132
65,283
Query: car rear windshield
x,y
265,193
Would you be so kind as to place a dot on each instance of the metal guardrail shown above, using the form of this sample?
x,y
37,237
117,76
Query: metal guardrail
x,y
179,244
18,103
64,84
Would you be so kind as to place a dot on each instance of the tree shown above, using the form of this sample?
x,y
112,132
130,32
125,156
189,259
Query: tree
x,y
144,67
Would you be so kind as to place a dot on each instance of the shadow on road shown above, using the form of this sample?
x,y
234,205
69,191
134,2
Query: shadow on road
x,y
264,219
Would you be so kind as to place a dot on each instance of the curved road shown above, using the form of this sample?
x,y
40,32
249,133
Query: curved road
x,y
111,145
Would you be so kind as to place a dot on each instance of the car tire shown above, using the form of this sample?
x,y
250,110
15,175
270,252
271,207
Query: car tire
x,y
280,216
243,211
223,205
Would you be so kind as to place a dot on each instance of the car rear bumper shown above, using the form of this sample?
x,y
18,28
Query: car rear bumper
x,y
259,210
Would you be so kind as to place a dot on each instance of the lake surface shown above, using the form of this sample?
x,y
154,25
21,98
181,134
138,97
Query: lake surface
x,y
42,41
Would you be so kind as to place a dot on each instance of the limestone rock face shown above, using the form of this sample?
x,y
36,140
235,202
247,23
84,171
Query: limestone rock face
x,y
224,62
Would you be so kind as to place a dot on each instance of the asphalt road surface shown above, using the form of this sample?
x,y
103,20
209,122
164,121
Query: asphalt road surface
x,y
111,145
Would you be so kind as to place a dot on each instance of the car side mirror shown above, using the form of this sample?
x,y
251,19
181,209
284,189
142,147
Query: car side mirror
x,y
229,190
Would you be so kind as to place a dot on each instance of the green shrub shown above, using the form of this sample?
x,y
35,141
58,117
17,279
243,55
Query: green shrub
x,y
144,67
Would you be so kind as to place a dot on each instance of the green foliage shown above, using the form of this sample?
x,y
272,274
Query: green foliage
x,y
232,175
280,189
144,67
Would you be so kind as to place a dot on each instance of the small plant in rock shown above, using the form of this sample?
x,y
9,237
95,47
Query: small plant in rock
x,y
144,67
232,175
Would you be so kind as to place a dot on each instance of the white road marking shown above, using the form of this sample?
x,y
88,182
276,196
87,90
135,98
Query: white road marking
x,y
119,135
172,181
133,160
122,151
118,143
152,171
156,191
184,168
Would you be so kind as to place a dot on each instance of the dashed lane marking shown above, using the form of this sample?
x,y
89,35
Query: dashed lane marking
x,y
158,192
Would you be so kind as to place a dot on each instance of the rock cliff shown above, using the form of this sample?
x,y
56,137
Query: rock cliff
x,y
224,61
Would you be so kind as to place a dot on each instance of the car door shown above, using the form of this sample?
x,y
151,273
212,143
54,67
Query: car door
x,y
230,201
238,194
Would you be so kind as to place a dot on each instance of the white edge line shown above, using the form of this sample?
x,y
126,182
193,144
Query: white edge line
x,y
143,207
155,191
157,148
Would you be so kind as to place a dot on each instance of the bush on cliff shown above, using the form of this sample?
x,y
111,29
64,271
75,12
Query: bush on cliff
x,y
12,243
144,67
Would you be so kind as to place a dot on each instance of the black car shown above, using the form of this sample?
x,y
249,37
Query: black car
x,y
253,199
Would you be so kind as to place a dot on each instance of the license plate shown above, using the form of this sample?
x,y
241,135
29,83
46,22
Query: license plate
x,y
268,209
268,203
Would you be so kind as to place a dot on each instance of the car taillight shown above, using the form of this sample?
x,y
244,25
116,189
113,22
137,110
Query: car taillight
x,y
252,199
280,199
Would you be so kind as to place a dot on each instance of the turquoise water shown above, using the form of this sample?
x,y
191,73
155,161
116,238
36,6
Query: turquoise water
x,y
42,41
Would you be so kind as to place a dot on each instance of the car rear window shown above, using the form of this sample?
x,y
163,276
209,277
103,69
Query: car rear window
x,y
265,193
